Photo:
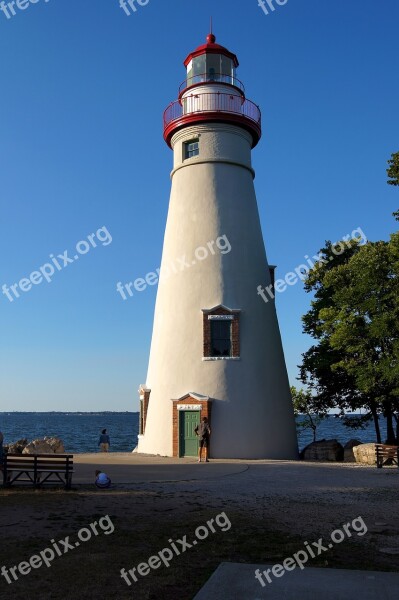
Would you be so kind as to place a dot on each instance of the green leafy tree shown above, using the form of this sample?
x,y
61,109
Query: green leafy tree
x,y
354,318
363,325
332,387
308,415
393,174
393,170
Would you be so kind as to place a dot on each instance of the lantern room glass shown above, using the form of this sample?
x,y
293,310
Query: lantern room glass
x,y
212,68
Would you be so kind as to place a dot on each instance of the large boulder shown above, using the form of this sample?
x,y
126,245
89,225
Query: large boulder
x,y
48,445
56,444
324,450
16,447
38,447
365,454
349,455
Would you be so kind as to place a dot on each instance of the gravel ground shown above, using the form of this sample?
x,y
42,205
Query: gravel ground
x,y
273,507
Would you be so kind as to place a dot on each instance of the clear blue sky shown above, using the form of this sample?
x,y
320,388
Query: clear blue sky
x,y
83,89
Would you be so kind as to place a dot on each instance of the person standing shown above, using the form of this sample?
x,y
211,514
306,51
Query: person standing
x,y
1,449
203,431
104,441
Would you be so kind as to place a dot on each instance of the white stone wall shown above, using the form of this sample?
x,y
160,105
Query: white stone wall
x,y
213,195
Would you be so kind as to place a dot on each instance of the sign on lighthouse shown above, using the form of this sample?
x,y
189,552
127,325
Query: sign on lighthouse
x,y
216,348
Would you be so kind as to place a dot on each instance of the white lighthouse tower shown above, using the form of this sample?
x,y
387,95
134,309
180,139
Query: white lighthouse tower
x,y
216,349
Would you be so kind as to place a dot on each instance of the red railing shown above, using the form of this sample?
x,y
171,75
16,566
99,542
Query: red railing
x,y
215,102
211,78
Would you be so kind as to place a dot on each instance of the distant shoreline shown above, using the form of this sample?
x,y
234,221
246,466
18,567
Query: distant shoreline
x,y
106,412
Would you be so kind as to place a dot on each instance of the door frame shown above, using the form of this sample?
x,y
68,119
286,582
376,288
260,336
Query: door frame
x,y
188,402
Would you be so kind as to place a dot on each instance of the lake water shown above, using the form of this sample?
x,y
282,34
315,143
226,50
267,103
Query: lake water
x,y
80,431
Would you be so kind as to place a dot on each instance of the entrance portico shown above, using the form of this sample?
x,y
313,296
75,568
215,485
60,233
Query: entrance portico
x,y
187,413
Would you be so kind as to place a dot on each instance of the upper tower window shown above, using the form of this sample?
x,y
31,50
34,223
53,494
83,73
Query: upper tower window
x,y
191,148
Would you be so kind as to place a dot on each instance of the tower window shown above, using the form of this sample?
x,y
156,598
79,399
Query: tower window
x,y
191,148
221,337
221,330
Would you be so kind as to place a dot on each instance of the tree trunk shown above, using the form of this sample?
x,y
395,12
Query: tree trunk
x,y
376,422
397,428
313,426
391,438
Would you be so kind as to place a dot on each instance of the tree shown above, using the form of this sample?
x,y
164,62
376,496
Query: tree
x,y
393,174
332,387
355,319
393,170
304,407
363,325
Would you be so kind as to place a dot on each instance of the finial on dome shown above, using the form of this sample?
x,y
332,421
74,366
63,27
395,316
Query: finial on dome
x,y
211,39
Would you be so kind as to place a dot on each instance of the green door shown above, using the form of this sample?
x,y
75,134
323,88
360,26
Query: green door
x,y
188,445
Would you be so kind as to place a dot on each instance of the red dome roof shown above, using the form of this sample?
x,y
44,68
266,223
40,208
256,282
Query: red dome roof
x,y
211,48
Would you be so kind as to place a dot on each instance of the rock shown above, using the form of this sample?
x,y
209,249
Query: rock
x,y
38,447
48,445
348,450
56,444
16,447
325,450
365,454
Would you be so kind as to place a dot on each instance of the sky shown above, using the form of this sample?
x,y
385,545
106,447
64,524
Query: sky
x,y
83,90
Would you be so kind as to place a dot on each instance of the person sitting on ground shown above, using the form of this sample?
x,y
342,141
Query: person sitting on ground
x,y
204,432
104,442
102,480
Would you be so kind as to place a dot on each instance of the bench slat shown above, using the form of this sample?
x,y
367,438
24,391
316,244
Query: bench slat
x,y
32,457
44,470
54,463
45,455
38,462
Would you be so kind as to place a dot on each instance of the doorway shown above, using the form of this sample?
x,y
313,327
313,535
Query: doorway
x,y
188,441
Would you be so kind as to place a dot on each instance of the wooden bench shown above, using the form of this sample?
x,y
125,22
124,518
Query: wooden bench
x,y
386,455
38,469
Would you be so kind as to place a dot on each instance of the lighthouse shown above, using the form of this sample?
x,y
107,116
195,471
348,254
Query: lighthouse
x,y
216,349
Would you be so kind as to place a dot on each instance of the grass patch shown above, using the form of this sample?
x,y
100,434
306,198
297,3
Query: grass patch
x,y
144,523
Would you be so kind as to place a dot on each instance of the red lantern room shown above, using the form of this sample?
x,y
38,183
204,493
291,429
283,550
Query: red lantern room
x,y
211,63
211,92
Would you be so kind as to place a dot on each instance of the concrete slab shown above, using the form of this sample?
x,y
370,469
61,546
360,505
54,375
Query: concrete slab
x,y
232,581
246,477
130,469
